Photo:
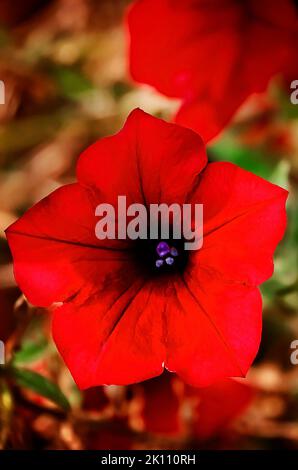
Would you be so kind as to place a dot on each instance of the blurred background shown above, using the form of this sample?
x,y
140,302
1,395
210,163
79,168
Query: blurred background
x,y
64,66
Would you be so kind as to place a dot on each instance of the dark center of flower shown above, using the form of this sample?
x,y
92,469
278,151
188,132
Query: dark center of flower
x,y
158,257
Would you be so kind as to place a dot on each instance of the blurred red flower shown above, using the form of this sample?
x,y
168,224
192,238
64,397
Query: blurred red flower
x,y
210,411
217,406
160,406
211,54
120,321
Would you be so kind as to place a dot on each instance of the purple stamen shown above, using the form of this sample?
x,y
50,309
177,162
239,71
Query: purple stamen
x,y
162,249
158,263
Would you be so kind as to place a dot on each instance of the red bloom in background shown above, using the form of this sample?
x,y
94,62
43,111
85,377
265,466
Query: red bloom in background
x,y
212,54
120,322
210,410
217,406
160,406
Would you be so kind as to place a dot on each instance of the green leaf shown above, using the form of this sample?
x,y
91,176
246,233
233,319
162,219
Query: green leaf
x,y
249,159
41,385
71,82
30,352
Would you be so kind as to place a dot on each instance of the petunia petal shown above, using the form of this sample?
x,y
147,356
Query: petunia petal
x,y
148,161
244,219
55,250
115,338
160,405
212,418
221,323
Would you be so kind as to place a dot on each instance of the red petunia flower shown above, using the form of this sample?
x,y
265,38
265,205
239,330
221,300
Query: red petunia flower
x,y
159,410
209,411
218,406
212,54
120,321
